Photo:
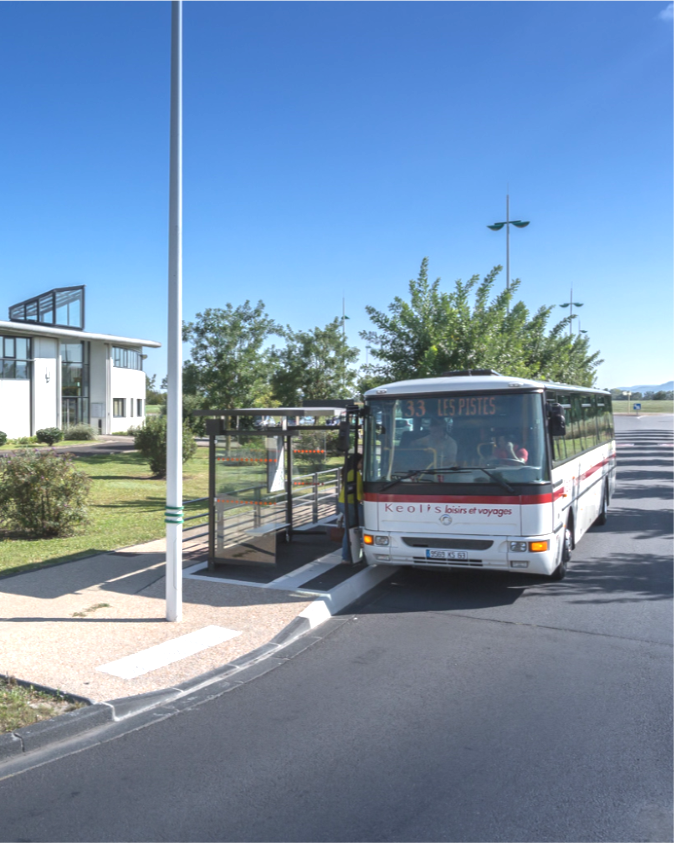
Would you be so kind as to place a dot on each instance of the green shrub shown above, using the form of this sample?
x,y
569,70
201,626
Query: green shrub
x,y
80,431
42,493
24,440
150,440
3,438
50,435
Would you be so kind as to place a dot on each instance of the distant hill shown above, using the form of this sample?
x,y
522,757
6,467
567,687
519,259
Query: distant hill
x,y
665,387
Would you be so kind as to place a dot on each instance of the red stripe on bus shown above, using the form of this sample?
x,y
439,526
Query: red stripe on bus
x,y
594,468
505,499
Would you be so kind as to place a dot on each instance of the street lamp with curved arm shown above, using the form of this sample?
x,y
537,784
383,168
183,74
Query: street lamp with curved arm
x,y
497,226
571,304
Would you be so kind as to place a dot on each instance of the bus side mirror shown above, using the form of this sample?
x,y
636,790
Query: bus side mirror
x,y
343,437
557,421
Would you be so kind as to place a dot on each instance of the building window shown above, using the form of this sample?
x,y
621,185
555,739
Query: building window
x,y
118,408
127,358
15,358
75,383
63,306
131,407
139,406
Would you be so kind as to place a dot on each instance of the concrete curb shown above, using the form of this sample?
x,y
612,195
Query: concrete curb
x,y
283,647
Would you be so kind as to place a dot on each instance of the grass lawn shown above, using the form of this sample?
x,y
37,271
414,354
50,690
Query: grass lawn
x,y
20,706
646,407
126,508
60,444
152,409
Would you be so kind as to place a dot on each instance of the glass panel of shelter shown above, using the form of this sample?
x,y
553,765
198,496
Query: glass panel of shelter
x,y
314,482
250,497
251,503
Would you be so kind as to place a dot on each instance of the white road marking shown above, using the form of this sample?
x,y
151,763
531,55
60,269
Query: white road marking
x,y
168,652
287,582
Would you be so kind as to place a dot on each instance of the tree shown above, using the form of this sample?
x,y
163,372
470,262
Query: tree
x,y
313,365
152,394
472,328
228,365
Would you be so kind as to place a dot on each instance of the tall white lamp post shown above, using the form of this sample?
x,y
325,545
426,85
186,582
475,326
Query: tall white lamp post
x,y
174,439
497,226
571,304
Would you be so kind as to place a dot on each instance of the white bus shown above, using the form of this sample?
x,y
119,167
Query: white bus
x,y
476,470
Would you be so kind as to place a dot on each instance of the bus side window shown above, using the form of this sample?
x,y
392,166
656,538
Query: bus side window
x,y
593,422
574,420
558,442
589,424
604,417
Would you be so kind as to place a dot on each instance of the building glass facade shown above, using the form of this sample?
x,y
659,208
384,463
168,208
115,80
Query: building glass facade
x,y
74,383
62,308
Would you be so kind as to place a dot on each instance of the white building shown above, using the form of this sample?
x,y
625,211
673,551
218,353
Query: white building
x,y
55,374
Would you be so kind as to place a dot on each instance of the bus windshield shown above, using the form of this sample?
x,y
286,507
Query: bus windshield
x,y
455,438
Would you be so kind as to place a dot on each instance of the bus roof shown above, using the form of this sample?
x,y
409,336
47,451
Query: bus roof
x,y
471,383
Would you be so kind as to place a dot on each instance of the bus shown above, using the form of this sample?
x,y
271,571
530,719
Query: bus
x,y
477,470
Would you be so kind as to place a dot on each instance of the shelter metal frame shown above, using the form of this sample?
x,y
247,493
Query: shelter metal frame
x,y
219,423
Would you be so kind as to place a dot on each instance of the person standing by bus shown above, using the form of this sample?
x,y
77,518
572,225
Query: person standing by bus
x,y
351,492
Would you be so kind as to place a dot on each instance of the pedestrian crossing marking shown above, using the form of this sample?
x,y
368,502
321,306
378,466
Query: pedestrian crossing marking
x,y
168,652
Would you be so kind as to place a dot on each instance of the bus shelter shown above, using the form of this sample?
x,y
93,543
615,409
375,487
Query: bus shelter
x,y
272,472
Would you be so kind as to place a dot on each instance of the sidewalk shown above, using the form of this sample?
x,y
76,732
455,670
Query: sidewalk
x,y
63,626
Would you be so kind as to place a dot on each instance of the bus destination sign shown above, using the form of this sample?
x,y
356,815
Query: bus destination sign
x,y
476,405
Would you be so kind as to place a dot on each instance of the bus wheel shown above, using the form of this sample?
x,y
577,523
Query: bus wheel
x,y
560,571
603,509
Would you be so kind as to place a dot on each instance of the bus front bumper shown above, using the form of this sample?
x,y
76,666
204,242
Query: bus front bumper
x,y
529,555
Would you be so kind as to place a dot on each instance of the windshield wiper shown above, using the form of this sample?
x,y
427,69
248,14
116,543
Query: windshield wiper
x,y
454,468
501,482
405,476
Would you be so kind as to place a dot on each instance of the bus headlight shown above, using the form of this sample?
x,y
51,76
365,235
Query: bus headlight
x,y
518,547
381,541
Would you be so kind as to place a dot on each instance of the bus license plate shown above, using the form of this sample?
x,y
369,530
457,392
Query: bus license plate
x,y
446,554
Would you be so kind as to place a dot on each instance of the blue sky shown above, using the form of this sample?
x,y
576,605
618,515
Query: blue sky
x,y
329,147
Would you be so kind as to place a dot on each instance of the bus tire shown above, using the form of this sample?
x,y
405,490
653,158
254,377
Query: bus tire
x,y
603,509
567,544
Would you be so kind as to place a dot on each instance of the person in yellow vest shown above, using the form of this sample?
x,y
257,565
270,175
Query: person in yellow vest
x,y
351,490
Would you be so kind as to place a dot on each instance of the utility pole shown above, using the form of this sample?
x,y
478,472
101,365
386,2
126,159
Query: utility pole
x,y
174,396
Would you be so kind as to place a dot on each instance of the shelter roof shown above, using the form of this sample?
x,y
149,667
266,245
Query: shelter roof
x,y
273,411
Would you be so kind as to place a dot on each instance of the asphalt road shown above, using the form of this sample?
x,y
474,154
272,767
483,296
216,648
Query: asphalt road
x,y
461,707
